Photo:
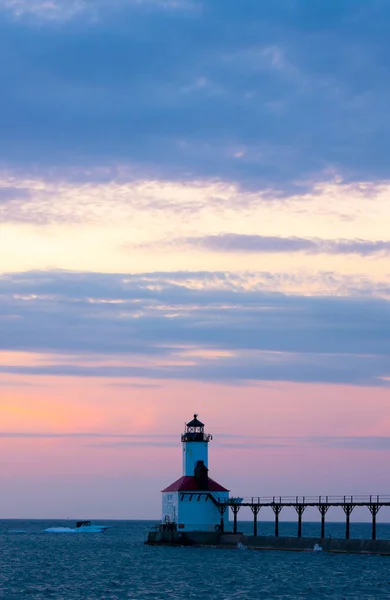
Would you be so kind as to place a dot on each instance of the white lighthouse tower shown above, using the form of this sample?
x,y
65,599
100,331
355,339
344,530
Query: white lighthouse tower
x,y
191,502
195,446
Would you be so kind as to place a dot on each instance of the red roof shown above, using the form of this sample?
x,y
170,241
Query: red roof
x,y
189,483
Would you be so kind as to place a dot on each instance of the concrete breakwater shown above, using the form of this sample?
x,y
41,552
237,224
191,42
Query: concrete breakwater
x,y
239,540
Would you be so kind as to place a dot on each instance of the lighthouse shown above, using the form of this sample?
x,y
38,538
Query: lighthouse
x,y
191,502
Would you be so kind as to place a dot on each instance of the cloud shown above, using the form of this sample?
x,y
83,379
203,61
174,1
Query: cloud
x,y
109,290
238,442
364,443
351,442
10,383
64,10
235,242
132,385
289,94
87,435
259,366
93,195
205,326
54,9
10,194
132,444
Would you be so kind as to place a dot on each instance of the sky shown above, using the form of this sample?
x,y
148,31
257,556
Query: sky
x,y
194,217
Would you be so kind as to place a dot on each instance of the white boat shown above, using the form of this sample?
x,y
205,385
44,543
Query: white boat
x,y
81,527
88,527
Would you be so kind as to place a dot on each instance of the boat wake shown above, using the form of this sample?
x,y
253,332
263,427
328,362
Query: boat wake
x,y
81,527
59,530
17,531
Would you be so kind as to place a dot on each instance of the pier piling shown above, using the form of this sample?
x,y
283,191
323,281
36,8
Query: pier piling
x,y
323,508
374,509
277,509
255,509
348,508
235,508
300,508
222,509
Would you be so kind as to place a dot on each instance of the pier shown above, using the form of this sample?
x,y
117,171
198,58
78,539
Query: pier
x,y
195,510
300,503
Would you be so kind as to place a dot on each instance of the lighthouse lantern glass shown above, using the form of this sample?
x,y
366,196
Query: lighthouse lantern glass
x,y
194,431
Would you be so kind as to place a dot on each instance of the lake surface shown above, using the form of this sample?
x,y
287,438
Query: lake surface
x,y
117,565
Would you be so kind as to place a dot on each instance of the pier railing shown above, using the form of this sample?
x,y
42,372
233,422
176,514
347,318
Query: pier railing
x,y
357,500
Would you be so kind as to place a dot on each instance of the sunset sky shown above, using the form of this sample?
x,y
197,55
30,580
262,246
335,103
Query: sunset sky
x,y
194,217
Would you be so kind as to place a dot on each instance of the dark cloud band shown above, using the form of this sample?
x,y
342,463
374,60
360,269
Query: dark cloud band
x,y
234,242
252,335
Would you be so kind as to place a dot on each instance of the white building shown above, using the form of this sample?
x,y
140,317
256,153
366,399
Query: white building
x,y
191,502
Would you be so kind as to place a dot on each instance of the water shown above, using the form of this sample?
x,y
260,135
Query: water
x,y
117,565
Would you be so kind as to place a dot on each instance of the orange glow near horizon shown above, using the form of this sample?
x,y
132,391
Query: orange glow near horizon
x,y
136,405
75,430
